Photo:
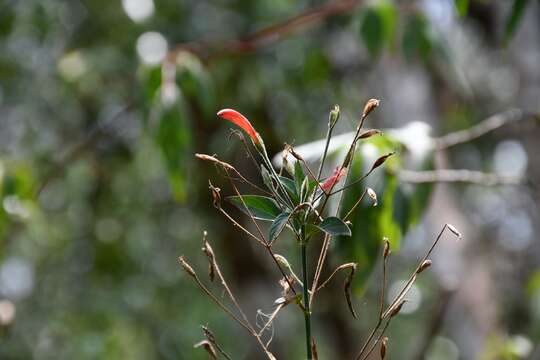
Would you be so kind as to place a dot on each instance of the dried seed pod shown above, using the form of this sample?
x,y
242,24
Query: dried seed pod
x,y
424,266
397,308
384,345
209,252
186,266
369,133
370,106
386,250
373,195
453,229
381,160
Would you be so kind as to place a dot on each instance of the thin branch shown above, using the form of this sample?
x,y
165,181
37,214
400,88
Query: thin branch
x,y
267,35
207,249
458,176
355,205
490,124
189,270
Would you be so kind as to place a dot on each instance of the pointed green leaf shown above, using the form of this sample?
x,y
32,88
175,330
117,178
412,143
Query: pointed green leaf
x,y
516,14
277,225
290,186
334,226
261,207
298,176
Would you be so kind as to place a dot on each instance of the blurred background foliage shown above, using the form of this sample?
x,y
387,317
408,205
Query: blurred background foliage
x,y
104,103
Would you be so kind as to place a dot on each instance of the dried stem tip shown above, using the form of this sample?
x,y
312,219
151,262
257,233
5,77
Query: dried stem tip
x,y
186,266
214,159
424,266
384,345
370,106
386,250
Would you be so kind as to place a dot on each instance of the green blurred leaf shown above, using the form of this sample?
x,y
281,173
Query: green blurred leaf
x,y
378,26
417,40
516,15
400,206
277,225
173,136
261,207
462,7
196,83
334,226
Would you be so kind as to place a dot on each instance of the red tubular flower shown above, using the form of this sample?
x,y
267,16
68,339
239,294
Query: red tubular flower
x,y
236,118
329,183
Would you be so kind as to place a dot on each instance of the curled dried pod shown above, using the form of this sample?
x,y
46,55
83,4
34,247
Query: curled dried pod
x,y
370,106
384,345
424,266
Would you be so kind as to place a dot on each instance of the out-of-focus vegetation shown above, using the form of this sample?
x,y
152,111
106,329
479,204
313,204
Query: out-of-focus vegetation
x,y
101,111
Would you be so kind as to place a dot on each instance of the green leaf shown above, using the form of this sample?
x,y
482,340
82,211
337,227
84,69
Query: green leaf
x,y
173,135
298,176
516,14
378,26
462,6
290,186
260,207
417,40
334,226
196,83
277,225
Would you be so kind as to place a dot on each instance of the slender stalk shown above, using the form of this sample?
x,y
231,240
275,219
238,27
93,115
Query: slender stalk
x,y
307,312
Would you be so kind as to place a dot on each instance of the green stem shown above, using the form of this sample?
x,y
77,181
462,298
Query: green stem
x,y
307,312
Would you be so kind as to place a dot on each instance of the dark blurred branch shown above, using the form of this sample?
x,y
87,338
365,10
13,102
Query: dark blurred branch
x,y
490,124
76,150
267,35
458,176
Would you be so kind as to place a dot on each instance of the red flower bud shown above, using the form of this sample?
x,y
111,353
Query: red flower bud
x,y
329,183
236,118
